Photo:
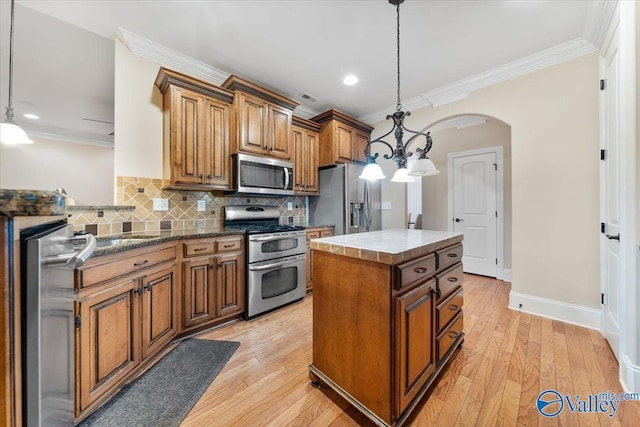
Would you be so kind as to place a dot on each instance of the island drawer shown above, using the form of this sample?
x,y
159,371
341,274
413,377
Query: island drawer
x,y
199,248
448,309
449,256
448,281
415,271
449,336
120,264
226,245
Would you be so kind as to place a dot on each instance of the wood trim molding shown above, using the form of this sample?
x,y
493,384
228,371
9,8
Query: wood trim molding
x,y
569,313
334,114
5,335
167,78
306,124
235,83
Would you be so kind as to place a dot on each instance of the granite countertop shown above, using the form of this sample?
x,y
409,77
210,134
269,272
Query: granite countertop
x,y
387,246
148,238
31,203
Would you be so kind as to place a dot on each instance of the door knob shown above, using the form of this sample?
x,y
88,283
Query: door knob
x,y
616,237
459,220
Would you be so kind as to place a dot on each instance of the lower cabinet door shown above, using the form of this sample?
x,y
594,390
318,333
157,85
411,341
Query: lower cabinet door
x,y
415,350
198,300
230,284
158,311
108,341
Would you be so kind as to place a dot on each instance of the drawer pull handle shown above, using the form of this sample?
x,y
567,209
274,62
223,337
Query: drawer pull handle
x,y
199,249
452,279
452,255
229,246
453,307
420,270
453,335
138,264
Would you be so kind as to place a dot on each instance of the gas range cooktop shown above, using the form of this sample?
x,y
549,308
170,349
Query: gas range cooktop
x,y
260,228
256,219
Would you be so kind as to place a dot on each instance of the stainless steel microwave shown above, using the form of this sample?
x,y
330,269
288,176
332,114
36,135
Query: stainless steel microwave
x,y
263,175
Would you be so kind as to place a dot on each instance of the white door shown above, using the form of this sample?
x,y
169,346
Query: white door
x,y
475,211
611,193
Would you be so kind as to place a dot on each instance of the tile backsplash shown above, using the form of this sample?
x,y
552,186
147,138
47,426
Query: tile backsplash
x,y
134,210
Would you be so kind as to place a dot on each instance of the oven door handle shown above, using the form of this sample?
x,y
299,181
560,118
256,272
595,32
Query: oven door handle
x,y
272,266
269,238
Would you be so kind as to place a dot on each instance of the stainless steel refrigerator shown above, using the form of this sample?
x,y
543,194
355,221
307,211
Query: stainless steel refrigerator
x,y
351,204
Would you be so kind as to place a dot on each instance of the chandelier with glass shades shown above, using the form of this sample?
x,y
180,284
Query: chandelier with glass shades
x,y
423,166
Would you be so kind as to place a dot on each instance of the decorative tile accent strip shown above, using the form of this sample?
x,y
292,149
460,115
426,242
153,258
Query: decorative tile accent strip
x,y
137,195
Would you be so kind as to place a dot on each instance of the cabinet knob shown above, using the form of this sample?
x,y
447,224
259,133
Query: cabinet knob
x,y
138,291
148,287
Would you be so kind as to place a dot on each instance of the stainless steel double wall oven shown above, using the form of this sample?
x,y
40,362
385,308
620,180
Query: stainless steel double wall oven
x,y
276,257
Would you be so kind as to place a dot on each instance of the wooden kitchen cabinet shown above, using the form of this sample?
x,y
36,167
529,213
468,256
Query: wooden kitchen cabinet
x,y
108,345
197,121
125,315
158,313
342,138
262,121
314,233
212,281
385,353
305,147
415,350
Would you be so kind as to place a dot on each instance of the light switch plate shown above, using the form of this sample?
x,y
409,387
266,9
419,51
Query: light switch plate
x,y
386,206
160,204
202,205
289,206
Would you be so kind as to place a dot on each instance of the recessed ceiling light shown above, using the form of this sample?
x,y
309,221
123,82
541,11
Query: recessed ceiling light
x,y
31,116
350,80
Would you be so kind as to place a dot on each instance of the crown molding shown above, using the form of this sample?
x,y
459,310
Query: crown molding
x,y
461,89
600,14
68,135
171,59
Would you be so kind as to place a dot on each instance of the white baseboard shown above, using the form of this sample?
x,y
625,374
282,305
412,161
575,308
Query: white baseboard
x,y
629,375
557,310
506,275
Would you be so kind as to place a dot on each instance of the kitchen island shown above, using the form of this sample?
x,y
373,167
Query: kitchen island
x,y
387,316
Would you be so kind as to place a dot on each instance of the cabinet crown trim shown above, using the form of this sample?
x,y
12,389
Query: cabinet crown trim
x,y
168,78
235,83
306,124
334,114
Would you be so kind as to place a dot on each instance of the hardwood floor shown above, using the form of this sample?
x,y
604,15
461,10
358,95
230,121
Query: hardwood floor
x,y
507,359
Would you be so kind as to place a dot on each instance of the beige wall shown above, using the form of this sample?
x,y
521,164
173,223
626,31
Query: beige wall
x,y
138,116
435,189
84,171
553,114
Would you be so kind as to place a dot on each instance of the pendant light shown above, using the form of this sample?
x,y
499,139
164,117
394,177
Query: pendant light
x,y
423,166
10,132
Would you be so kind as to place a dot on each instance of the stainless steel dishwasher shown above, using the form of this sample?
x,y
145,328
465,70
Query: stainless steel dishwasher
x,y
50,252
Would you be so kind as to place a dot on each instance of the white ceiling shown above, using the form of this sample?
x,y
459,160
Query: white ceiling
x,y
65,72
